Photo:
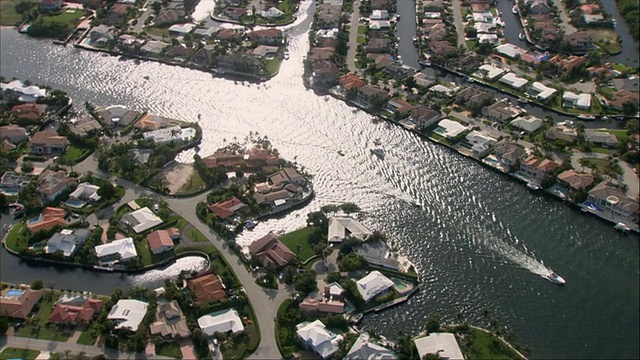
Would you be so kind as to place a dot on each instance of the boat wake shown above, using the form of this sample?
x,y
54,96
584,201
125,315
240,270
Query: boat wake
x,y
519,257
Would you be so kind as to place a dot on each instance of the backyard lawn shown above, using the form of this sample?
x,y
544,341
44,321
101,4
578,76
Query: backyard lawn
x,y
13,353
607,39
41,328
272,66
480,345
603,166
362,29
361,39
11,241
75,154
298,242
69,17
195,235
621,135
146,257
170,349
8,14
195,184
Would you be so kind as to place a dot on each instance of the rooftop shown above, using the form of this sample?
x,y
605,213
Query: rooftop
x,y
128,314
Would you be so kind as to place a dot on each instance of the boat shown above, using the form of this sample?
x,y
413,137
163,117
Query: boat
x,y
146,77
340,153
555,278
469,79
286,55
522,100
377,142
521,36
103,268
250,224
378,152
586,117
533,186
514,9
398,16
622,227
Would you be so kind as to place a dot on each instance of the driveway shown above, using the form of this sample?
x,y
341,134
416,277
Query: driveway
x,y
186,346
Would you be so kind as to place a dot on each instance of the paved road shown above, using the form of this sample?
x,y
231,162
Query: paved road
x,y
353,37
61,347
138,28
457,17
564,16
265,302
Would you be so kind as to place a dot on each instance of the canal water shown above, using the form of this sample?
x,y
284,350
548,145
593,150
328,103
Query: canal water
x,y
479,240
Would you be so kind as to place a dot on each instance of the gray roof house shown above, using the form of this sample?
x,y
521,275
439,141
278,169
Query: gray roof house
x,y
153,48
67,241
601,138
509,153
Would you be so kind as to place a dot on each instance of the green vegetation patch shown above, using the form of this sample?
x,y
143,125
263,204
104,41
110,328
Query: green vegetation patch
x,y
170,349
40,327
361,40
69,17
9,15
195,184
15,353
478,344
362,29
298,242
603,166
620,134
76,154
607,39
11,241
196,235
630,10
272,66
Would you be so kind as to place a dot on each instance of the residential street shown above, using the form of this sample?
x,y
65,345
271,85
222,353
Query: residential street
x,y
265,302
457,17
353,37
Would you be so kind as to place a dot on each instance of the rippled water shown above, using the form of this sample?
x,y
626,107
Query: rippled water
x,y
479,240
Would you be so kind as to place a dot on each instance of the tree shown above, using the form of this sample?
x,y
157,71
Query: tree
x,y
37,284
433,325
629,108
352,261
107,191
4,325
27,167
4,205
305,282
632,126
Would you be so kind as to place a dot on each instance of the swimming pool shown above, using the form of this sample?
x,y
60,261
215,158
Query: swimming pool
x,y
14,293
34,220
75,203
10,192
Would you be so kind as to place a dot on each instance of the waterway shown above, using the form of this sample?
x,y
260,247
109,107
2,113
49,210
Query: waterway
x,y
480,241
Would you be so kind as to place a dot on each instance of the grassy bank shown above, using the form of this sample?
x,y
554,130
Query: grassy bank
x,y
298,242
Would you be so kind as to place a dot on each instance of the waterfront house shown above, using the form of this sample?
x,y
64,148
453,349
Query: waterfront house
x,y
153,49
540,91
286,176
325,74
29,111
121,250
269,36
85,125
379,15
203,57
398,71
350,81
18,303
562,132
271,13
85,192
67,241
478,142
128,314
343,226
52,184
15,89
435,32
47,142
318,338
49,218
527,123
117,115
373,285
50,5
141,220
509,153
101,35
181,29
424,116
378,253
269,250
600,138
490,72
369,94
576,101
234,13
276,197
501,111
320,53
569,63
226,209
177,53
399,106
473,99
173,133
580,41
150,122
509,50
14,133
265,51
575,181
242,62
613,203
162,240
331,301
364,348
450,129
71,310
513,81
441,48
170,322
207,287
536,170
446,90
444,345
225,322
423,80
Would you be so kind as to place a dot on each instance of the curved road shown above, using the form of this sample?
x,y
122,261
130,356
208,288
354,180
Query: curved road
x,y
265,302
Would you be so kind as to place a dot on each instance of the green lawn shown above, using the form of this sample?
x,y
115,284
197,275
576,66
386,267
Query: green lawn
x,y
42,329
602,165
14,353
75,154
471,44
195,235
299,238
480,345
170,349
361,39
272,66
89,335
621,135
362,29
69,17
13,235
157,31
146,257
622,68
195,184
8,14
607,39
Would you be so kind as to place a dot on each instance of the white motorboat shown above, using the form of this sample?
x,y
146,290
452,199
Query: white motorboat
x,y
555,278
533,186
378,152
622,227
514,9
521,36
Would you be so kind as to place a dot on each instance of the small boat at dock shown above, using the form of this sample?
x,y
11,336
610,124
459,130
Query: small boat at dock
x,y
555,278
378,152
622,227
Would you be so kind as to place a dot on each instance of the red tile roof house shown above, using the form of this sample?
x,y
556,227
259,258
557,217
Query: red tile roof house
x,y
226,209
350,81
13,133
29,111
207,287
162,240
52,184
234,13
270,250
49,218
46,142
17,303
266,37
537,169
72,314
575,181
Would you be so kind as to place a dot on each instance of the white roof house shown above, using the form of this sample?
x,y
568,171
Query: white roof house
x,y
449,128
510,50
86,191
485,17
328,33
488,38
540,91
170,134
444,90
25,93
342,226
222,322
528,123
480,142
379,24
181,29
513,81
363,349
67,241
379,15
443,344
128,313
272,13
490,72
141,220
124,248
316,337
373,285
578,101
